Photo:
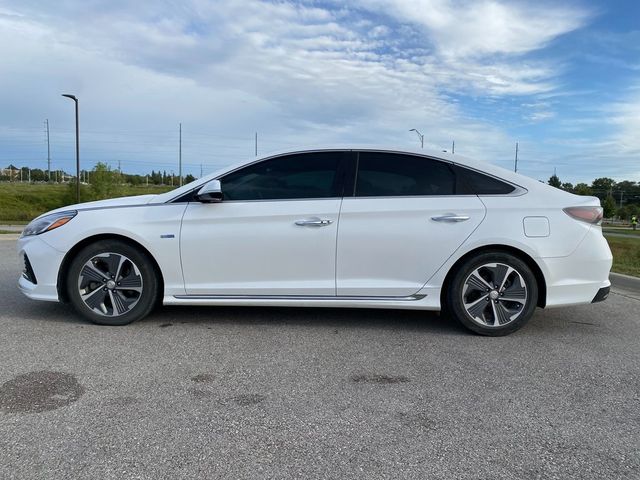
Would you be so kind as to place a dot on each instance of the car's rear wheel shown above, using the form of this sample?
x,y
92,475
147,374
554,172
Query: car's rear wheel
x,y
112,283
494,293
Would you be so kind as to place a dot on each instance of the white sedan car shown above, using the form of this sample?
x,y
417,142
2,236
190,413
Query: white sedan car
x,y
334,227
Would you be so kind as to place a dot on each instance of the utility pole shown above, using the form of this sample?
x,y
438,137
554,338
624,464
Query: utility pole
x,y
200,170
179,158
621,193
516,166
29,170
453,147
256,144
147,176
48,153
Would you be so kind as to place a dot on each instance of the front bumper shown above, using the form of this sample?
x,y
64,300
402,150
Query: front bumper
x,y
45,263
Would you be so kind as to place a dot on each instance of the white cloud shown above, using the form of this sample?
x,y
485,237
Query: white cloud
x,y
485,27
626,117
297,73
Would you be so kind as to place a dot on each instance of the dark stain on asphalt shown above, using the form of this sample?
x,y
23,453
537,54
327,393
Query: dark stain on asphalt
x,y
165,325
36,392
378,378
200,393
249,399
417,419
203,378
583,323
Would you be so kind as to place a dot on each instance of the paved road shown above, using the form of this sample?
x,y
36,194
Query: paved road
x,y
304,393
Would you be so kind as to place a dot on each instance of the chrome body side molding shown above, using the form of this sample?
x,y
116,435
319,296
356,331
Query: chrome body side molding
x,y
293,298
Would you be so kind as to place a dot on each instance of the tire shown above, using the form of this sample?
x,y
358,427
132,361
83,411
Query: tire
x,y
492,311
112,283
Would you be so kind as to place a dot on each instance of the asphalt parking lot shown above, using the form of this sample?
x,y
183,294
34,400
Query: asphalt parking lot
x,y
315,393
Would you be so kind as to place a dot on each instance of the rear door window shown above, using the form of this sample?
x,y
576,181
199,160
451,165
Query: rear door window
x,y
382,174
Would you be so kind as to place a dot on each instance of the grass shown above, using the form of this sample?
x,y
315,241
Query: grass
x,y
21,202
622,231
626,255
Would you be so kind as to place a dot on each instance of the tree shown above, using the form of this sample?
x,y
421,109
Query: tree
x,y
623,213
567,187
189,178
104,182
602,187
609,206
38,175
582,189
554,181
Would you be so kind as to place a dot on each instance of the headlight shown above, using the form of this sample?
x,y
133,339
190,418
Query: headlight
x,y
48,222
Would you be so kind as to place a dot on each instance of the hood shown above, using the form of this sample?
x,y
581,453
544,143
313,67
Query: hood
x,y
111,202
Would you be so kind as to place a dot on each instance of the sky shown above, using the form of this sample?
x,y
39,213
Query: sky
x,y
560,78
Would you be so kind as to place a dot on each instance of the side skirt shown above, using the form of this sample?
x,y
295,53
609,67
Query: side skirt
x,y
414,302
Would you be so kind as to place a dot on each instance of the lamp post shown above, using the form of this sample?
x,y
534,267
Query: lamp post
x,y
421,136
72,97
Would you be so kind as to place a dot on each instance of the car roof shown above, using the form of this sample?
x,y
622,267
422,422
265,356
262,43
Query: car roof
x,y
515,178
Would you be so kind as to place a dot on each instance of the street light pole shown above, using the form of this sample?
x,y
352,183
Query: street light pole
x,y
180,157
72,97
421,136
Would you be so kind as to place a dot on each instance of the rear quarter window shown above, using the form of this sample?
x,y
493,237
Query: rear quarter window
x,y
471,182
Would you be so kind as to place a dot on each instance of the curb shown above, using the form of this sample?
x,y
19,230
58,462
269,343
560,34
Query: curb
x,y
12,228
9,236
625,282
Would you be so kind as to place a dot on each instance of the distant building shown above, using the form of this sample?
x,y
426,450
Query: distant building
x,y
11,172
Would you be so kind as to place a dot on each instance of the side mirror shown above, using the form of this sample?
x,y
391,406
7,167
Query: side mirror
x,y
210,192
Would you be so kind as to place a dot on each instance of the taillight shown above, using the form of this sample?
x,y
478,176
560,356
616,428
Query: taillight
x,y
591,215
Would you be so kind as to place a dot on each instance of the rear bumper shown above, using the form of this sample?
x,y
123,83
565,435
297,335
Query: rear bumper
x,y
602,295
580,277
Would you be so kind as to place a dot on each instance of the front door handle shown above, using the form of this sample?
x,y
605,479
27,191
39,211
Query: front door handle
x,y
450,218
313,222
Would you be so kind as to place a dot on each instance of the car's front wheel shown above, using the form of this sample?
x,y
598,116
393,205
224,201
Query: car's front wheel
x,y
112,283
494,293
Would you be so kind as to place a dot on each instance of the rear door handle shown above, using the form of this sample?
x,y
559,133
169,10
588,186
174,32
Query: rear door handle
x,y
450,218
313,222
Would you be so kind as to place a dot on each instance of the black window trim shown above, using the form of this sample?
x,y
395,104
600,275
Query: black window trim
x,y
350,176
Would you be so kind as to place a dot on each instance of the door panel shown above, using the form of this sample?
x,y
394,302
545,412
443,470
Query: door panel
x,y
256,248
390,246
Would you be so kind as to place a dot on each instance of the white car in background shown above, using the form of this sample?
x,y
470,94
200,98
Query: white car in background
x,y
332,227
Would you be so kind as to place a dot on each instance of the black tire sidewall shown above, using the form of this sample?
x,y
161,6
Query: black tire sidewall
x,y
149,294
454,293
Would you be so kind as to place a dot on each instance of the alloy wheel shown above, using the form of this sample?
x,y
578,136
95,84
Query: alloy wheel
x,y
110,284
494,294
